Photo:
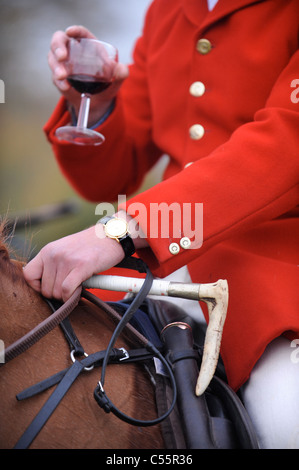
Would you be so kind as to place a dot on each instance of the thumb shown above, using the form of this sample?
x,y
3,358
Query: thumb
x,y
121,72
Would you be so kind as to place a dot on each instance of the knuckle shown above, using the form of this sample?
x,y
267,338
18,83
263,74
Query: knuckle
x,y
51,253
67,288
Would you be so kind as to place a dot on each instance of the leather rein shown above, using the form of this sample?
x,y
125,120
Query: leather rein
x,y
65,378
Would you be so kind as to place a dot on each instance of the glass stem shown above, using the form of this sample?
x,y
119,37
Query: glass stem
x,y
83,111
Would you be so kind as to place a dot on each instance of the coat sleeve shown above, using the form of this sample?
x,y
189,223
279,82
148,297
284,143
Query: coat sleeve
x,y
250,179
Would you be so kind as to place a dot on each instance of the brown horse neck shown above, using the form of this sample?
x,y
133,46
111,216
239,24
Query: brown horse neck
x,y
21,307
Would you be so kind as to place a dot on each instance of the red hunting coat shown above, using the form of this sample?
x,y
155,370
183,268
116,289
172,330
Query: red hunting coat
x,y
226,112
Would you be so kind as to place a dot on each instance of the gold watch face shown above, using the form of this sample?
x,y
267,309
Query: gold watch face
x,y
116,228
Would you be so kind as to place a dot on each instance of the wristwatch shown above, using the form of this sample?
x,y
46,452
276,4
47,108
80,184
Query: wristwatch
x,y
117,229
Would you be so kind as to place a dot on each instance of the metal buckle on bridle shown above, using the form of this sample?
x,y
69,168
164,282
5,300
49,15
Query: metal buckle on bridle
x,y
126,355
72,354
101,398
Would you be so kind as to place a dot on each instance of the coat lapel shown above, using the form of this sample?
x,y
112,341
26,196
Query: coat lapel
x,y
197,11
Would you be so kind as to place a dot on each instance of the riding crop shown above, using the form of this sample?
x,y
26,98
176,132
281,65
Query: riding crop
x,y
215,295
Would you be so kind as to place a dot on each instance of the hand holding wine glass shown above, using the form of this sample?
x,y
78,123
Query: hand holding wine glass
x,y
90,69
59,64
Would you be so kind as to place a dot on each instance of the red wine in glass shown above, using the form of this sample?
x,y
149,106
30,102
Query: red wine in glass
x,y
87,84
90,67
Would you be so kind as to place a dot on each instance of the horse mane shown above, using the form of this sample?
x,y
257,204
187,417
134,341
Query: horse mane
x,y
11,263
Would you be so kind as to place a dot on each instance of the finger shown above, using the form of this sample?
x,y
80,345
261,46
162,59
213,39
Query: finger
x,y
62,273
73,280
35,284
79,31
62,85
48,279
56,56
59,74
44,267
58,69
33,273
59,44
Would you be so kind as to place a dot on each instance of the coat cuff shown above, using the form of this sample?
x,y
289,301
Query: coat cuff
x,y
173,231
62,115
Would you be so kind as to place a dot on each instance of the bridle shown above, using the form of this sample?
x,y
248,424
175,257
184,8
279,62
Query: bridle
x,y
99,393
66,377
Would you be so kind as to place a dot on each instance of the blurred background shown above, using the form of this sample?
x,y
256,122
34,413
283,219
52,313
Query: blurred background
x,y
30,182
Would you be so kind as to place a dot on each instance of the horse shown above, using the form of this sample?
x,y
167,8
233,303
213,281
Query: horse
x,y
78,422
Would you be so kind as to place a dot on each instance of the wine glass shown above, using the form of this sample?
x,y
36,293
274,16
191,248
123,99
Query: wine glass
x,y
90,69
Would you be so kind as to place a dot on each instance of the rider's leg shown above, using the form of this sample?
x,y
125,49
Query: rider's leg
x,y
271,396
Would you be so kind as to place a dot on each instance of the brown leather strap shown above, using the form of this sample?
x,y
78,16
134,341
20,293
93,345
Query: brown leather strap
x,y
28,340
43,328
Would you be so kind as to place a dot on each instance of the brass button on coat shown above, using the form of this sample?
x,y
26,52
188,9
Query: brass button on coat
x,y
197,89
203,46
196,131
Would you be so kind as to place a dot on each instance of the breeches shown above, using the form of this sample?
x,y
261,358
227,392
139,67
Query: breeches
x,y
271,396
